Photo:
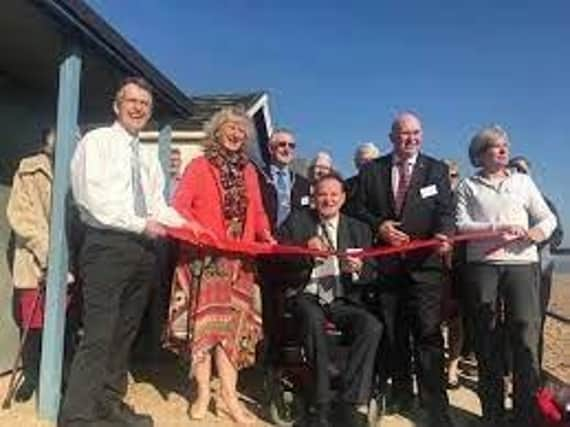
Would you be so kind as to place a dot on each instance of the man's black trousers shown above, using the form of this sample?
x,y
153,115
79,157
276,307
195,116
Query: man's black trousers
x,y
117,270
364,331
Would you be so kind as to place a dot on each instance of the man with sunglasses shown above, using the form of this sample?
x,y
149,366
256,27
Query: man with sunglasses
x,y
282,189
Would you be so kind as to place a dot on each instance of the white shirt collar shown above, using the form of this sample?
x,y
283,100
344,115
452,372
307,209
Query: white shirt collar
x,y
332,221
411,161
123,133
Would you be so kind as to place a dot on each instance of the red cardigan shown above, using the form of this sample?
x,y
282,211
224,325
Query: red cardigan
x,y
198,197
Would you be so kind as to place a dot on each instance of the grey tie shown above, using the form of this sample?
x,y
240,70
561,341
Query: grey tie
x,y
329,286
138,193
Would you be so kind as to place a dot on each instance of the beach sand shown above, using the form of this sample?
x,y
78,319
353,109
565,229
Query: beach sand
x,y
161,390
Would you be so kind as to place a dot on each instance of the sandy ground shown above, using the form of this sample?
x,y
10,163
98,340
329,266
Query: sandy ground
x,y
163,392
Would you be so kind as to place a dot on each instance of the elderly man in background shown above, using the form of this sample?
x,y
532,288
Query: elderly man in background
x,y
282,191
321,165
403,196
365,153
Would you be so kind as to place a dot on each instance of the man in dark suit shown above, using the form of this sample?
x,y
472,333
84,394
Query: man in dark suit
x,y
328,289
282,191
403,196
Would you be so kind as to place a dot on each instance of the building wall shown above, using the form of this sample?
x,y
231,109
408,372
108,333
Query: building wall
x,y
189,149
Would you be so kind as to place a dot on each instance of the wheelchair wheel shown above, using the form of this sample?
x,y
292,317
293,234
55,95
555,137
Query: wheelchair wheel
x,y
285,406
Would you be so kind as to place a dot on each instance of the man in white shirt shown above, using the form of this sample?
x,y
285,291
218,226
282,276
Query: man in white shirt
x,y
120,197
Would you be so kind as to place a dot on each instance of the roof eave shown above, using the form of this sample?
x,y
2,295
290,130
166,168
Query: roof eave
x,y
90,25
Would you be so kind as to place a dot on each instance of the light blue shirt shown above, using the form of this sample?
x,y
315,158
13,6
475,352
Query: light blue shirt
x,y
281,178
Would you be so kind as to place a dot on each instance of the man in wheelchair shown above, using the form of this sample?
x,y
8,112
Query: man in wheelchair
x,y
322,290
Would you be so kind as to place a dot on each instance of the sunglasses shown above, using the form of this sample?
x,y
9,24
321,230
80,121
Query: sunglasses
x,y
454,175
283,144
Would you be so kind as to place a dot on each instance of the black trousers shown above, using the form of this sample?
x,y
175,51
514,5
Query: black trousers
x,y
117,270
411,303
517,286
365,332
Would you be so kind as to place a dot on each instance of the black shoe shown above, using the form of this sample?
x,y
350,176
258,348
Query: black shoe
x,y
121,412
26,390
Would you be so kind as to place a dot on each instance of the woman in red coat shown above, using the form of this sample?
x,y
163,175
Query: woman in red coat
x,y
215,306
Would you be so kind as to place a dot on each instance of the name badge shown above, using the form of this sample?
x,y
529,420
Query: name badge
x,y
305,201
429,191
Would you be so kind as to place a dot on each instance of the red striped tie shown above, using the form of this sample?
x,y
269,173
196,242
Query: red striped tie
x,y
403,183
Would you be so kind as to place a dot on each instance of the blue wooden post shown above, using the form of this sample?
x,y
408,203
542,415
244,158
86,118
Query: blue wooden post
x,y
164,139
52,341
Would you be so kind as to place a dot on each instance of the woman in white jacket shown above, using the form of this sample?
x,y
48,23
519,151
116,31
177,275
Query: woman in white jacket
x,y
495,199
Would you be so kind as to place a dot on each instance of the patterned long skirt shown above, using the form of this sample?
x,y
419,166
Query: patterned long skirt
x,y
214,301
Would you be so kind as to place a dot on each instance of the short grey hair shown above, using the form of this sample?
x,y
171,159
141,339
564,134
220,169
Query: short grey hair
x,y
324,156
230,114
397,122
366,147
281,130
485,138
140,82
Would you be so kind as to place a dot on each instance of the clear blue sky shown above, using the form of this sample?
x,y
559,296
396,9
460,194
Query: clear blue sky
x,y
337,71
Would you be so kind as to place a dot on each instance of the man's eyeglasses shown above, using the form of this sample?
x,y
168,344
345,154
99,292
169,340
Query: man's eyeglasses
x,y
283,144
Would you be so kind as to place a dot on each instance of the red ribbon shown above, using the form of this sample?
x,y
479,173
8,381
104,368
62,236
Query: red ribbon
x,y
264,249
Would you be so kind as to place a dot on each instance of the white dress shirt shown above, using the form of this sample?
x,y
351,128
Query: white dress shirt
x,y
101,181
410,163
484,205
326,274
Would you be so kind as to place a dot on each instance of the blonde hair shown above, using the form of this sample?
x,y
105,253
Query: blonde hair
x,y
230,114
485,138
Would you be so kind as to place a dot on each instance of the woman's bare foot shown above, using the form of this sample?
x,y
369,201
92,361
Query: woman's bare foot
x,y
199,408
229,406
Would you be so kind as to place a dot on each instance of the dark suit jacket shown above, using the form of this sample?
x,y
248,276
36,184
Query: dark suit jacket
x,y
300,192
300,227
422,216
350,185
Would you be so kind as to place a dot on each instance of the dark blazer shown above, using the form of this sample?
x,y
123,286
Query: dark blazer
x,y
300,227
300,194
422,216
350,185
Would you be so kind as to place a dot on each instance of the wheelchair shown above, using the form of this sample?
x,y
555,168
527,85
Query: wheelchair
x,y
288,376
